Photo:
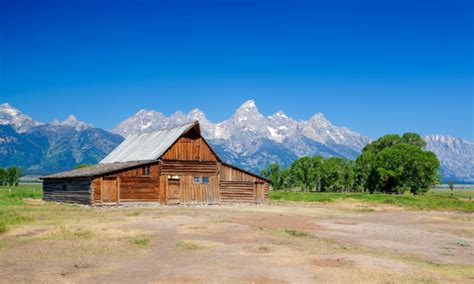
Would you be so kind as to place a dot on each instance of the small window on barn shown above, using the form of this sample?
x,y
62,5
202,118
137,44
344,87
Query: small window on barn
x,y
197,179
146,171
205,179
64,187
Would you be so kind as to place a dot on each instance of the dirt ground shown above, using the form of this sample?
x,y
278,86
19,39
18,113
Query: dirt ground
x,y
339,242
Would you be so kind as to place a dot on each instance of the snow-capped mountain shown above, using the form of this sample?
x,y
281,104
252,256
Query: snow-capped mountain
x,y
42,148
12,116
72,121
247,120
456,156
253,140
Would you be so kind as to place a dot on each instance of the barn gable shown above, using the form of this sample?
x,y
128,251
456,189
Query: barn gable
x,y
190,147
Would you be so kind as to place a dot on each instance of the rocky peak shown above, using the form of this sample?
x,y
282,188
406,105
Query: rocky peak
x,y
247,112
178,117
455,154
320,120
15,118
7,108
249,105
73,122
196,114
280,114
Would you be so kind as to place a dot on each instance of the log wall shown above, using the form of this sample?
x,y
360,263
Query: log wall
x,y
237,192
67,190
228,173
188,168
237,186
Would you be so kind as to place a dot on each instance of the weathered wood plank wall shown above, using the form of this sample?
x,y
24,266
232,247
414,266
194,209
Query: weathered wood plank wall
x,y
190,149
199,193
237,192
67,190
188,168
133,185
237,186
139,189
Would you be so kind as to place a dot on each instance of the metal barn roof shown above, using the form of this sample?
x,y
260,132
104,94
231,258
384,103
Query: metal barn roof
x,y
97,170
146,146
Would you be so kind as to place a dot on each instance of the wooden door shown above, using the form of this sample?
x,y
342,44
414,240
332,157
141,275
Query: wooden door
x,y
109,190
173,191
259,193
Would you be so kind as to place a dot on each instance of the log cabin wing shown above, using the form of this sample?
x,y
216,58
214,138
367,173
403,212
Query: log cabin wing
x,y
171,166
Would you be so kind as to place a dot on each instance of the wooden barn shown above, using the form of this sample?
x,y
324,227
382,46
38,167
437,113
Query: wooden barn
x,y
171,166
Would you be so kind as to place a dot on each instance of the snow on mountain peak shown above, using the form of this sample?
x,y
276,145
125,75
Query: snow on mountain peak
x,y
72,121
248,104
197,114
7,108
319,117
12,116
281,114
455,154
447,139
142,112
247,125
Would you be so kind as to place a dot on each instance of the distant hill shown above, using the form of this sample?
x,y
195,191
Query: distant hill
x,y
41,148
456,156
248,139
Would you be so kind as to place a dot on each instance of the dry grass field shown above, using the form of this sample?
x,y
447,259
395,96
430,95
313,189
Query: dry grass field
x,y
340,241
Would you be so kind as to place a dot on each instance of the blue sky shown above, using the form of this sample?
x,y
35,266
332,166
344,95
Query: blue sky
x,y
378,67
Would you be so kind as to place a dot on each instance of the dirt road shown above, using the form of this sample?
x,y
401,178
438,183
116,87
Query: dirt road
x,y
341,242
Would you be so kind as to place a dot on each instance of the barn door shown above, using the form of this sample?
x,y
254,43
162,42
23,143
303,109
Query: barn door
x,y
173,191
259,193
109,190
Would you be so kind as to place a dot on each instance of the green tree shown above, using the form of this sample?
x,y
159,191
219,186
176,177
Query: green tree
x,y
12,176
413,139
287,179
451,184
2,176
80,166
395,164
276,176
305,173
336,175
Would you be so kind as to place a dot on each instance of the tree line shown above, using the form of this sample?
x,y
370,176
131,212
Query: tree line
x,y
10,176
391,164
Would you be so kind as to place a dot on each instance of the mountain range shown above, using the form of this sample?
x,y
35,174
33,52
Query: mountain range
x,y
248,139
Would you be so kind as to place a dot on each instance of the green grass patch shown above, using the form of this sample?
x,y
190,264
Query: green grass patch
x,y
430,201
12,204
14,195
140,241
